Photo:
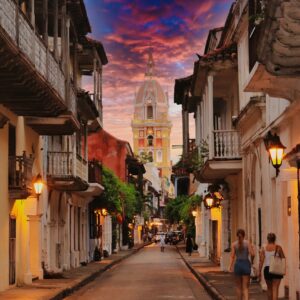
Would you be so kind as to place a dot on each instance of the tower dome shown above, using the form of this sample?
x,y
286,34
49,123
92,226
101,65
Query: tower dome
x,y
150,101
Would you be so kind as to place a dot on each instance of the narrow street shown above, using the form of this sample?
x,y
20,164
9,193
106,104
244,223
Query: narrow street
x,y
149,274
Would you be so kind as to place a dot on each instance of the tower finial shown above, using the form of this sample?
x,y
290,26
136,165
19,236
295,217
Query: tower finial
x,y
150,64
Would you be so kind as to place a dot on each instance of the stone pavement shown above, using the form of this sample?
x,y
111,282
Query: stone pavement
x,y
55,289
219,284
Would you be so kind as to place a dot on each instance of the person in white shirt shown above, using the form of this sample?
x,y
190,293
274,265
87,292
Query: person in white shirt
x,y
272,280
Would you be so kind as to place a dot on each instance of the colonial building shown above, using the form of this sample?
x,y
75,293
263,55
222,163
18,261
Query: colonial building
x,y
244,93
45,118
151,125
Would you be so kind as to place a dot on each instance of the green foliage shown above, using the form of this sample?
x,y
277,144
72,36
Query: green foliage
x,y
180,210
130,196
144,157
116,192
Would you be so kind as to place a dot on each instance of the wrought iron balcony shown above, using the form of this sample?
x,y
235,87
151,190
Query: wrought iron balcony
x,y
20,176
67,171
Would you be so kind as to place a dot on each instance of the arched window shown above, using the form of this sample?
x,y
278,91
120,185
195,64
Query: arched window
x,y
149,112
150,140
159,156
150,156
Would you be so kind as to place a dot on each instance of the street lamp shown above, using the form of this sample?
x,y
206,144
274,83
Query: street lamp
x,y
275,149
194,213
213,199
38,185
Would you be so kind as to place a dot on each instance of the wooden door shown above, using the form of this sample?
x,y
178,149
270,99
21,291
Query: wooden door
x,y
12,250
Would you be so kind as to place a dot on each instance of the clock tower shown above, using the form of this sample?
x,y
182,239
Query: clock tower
x,y
151,125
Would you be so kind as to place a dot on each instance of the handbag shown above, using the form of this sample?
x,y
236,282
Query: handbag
x,y
277,264
253,274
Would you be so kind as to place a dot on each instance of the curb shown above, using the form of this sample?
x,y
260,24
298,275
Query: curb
x,y
211,290
69,290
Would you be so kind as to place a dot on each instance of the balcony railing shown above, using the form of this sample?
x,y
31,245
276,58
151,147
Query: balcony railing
x,y
23,35
95,172
98,105
20,174
226,144
66,164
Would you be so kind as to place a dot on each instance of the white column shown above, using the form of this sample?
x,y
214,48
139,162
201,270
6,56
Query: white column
x,y
35,245
203,242
185,131
210,98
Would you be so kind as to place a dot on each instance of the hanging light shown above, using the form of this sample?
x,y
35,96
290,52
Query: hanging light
x,y
275,149
38,185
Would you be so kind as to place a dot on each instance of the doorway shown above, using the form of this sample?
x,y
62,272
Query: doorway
x,y
12,250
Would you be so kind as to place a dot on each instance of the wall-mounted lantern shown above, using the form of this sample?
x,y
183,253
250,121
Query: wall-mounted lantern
x,y
209,201
275,149
104,212
213,199
194,213
38,185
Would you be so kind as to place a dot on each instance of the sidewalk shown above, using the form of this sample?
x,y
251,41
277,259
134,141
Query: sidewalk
x,y
219,284
55,289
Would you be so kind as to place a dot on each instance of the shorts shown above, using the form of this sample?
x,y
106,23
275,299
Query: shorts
x,y
269,276
242,267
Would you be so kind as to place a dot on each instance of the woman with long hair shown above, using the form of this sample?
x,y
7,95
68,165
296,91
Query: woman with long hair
x,y
272,280
241,250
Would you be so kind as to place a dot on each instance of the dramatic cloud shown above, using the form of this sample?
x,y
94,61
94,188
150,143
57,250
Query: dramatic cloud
x,y
175,30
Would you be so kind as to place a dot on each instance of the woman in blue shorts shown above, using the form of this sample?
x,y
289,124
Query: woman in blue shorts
x,y
241,250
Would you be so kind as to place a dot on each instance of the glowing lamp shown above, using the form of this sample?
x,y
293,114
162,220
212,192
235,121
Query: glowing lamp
x,y
208,201
104,212
38,185
275,149
194,213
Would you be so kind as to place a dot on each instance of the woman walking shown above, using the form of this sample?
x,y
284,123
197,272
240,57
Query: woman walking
x,y
272,280
240,252
189,245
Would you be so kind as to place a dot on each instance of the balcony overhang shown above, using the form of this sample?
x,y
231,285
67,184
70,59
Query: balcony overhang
x,y
67,183
61,125
218,169
86,106
260,80
94,190
26,85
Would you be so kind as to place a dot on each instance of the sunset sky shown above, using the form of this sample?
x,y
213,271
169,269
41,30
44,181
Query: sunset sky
x,y
175,29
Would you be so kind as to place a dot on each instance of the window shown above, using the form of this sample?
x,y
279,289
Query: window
x,y
149,112
158,133
141,133
159,156
141,143
150,140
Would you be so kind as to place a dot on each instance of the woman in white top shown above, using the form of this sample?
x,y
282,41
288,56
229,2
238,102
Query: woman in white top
x,y
272,280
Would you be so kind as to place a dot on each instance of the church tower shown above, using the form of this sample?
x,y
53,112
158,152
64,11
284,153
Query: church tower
x,y
151,125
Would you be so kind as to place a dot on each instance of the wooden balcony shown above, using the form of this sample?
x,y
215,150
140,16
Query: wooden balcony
x,y
32,82
20,176
224,157
95,172
87,105
66,171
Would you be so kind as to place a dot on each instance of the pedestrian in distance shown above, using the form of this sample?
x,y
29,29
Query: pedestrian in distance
x,y
242,256
272,280
189,245
162,243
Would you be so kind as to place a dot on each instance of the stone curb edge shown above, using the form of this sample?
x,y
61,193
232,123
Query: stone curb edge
x,y
69,290
211,290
